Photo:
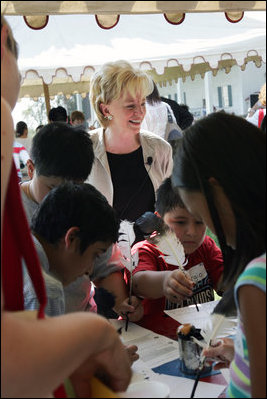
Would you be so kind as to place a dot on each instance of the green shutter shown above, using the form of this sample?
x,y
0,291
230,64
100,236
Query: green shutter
x,y
220,97
230,95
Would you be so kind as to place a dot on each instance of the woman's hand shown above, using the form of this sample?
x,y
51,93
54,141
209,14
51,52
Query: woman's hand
x,y
222,352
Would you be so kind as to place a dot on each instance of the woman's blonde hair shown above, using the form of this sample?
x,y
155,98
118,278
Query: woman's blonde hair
x,y
114,78
262,95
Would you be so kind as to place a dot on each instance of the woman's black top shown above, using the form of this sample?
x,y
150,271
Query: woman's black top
x,y
133,190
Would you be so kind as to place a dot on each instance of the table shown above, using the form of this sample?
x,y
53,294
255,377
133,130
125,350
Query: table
x,y
159,361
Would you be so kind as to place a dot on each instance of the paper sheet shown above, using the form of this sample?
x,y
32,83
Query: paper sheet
x,y
182,387
189,314
153,349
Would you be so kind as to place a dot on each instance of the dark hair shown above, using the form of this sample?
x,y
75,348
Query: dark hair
x,y
75,205
154,97
38,128
167,198
58,114
20,127
61,150
233,151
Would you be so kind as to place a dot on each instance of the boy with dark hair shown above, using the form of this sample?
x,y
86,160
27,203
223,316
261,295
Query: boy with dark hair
x,y
63,153
58,114
73,225
59,152
163,286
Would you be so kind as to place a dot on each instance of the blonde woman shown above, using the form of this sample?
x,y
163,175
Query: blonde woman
x,y
130,163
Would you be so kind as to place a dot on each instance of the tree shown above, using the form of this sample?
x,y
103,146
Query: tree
x,y
35,113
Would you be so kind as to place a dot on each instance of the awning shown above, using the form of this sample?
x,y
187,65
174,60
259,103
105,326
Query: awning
x,y
169,62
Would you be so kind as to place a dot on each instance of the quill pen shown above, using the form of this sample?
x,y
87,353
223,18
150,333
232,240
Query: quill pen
x,y
221,323
172,249
126,239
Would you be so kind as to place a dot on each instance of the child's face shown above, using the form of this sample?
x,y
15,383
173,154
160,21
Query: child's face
x,y
76,264
189,230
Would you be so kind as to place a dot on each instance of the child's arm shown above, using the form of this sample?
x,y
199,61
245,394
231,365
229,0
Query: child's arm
x,y
252,302
38,355
115,284
174,285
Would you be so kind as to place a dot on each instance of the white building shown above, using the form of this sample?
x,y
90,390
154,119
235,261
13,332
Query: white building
x,y
229,91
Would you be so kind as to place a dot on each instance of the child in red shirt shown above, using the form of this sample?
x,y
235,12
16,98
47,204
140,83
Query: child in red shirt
x,y
164,286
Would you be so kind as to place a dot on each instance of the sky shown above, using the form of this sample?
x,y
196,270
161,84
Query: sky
x,y
72,40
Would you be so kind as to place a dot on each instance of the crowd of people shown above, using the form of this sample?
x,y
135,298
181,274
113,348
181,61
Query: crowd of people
x,y
61,263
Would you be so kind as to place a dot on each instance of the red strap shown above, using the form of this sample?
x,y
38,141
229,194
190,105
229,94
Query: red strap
x,y
261,116
17,243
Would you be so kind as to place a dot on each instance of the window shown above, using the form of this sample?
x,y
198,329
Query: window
x,y
170,96
175,97
184,95
225,96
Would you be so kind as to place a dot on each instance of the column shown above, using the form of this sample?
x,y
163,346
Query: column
x,y
208,92
79,102
180,91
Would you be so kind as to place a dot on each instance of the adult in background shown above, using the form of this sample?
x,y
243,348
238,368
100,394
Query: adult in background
x,y
183,117
77,118
58,114
257,113
157,115
22,135
130,163
21,157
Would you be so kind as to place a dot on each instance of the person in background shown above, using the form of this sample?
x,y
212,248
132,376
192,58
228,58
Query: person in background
x,y
77,118
163,286
257,114
39,127
21,157
58,114
183,116
157,115
228,193
22,135
37,355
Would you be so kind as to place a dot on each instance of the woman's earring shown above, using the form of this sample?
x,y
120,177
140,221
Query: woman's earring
x,y
109,117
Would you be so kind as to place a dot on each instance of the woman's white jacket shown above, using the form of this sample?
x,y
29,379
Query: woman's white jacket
x,y
155,150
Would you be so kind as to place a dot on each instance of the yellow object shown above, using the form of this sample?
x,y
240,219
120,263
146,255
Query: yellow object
x,y
99,390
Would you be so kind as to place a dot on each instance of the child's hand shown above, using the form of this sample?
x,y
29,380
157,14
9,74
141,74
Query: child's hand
x,y
132,352
222,352
135,311
177,286
111,366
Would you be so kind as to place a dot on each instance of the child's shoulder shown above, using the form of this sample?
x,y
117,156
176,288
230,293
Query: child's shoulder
x,y
146,245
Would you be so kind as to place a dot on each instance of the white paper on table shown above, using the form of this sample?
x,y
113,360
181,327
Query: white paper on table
x,y
153,349
189,314
182,387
